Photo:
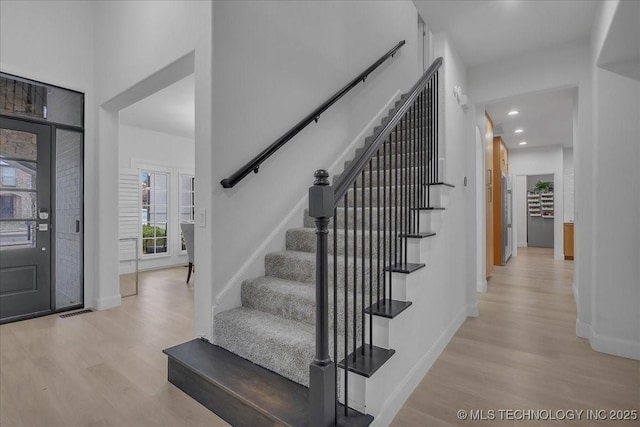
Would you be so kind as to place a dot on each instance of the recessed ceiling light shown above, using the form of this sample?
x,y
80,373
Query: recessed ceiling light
x,y
519,131
523,143
513,112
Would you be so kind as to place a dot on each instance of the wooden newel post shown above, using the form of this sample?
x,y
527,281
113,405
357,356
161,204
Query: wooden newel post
x,y
322,390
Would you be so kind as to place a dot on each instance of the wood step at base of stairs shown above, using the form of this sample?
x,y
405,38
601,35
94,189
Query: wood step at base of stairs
x,y
240,392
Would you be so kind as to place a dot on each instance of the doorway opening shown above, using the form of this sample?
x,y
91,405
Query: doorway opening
x,y
156,149
536,221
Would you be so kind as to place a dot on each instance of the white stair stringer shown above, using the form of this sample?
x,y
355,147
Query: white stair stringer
x,y
406,335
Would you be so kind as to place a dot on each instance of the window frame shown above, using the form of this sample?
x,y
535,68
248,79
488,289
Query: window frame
x,y
155,169
190,175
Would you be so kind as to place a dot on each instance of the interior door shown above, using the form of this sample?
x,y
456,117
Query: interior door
x,y
25,223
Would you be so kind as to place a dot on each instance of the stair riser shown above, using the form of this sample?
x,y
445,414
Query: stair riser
x,y
395,196
237,341
390,218
298,355
289,268
303,309
389,163
386,177
304,241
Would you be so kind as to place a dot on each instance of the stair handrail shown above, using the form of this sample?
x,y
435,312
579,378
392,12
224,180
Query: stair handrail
x,y
314,116
348,177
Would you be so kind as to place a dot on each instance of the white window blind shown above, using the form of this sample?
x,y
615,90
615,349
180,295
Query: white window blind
x,y
129,197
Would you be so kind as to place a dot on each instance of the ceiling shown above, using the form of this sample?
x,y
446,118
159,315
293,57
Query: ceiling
x,y
546,118
485,31
505,28
170,110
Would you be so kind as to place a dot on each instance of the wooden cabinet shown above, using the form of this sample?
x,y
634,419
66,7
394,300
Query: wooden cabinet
x,y
568,240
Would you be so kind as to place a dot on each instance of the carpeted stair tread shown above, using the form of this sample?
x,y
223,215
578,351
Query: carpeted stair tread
x,y
301,267
281,297
281,345
293,300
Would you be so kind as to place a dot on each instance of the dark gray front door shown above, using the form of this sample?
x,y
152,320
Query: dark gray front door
x,y
25,219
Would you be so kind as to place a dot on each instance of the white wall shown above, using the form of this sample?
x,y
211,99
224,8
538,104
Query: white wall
x,y
274,62
52,42
138,145
614,325
538,161
165,153
458,144
569,184
133,41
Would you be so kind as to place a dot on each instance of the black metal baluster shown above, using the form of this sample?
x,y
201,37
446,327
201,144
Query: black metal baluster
x,y
420,180
362,253
414,165
405,188
387,207
371,251
335,304
430,144
378,223
355,268
396,191
435,113
346,305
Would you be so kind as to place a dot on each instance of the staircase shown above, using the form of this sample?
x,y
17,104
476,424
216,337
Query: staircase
x,y
265,346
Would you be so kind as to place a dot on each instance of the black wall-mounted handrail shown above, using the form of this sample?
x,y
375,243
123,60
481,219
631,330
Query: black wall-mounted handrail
x,y
255,163
347,178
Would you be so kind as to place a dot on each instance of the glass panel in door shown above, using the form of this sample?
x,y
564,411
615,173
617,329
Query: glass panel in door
x,y
25,197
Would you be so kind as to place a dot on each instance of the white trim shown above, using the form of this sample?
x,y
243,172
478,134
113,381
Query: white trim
x,y
472,310
616,346
397,398
606,344
583,330
108,302
482,286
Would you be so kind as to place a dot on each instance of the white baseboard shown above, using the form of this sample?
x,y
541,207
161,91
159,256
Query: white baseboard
x,y
108,302
399,396
583,330
522,244
481,286
615,346
472,310
606,344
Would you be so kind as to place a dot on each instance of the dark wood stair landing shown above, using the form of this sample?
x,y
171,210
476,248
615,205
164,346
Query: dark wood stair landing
x,y
241,392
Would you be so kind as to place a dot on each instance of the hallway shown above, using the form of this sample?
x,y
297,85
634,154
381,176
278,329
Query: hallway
x,y
522,353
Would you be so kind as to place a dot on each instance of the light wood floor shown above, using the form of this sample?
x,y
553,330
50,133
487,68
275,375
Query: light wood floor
x,y
103,368
107,369
522,353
